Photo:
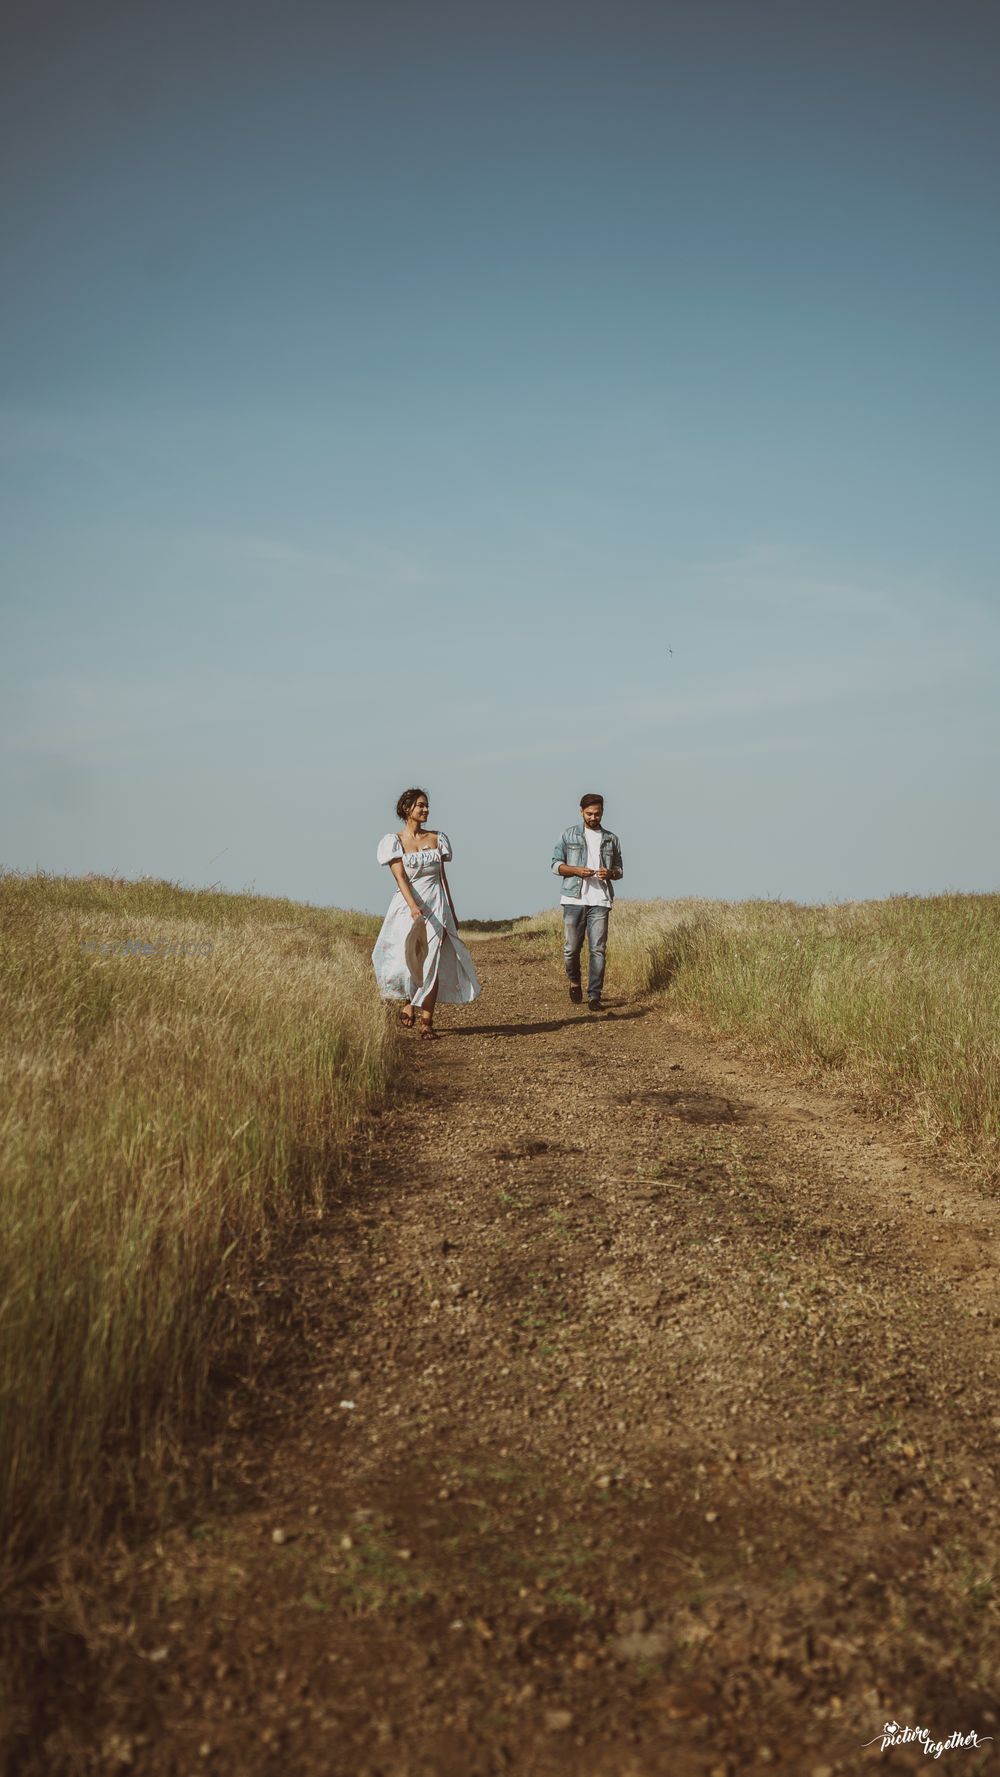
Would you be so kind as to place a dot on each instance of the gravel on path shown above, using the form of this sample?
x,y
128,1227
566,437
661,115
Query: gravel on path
x,y
642,1419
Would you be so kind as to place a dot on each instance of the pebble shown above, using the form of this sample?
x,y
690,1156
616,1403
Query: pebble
x,y
558,1720
639,1646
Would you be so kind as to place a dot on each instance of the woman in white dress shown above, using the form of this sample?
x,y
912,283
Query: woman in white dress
x,y
419,957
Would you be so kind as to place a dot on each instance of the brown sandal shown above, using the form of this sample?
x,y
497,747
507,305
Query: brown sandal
x,y
408,1018
427,1029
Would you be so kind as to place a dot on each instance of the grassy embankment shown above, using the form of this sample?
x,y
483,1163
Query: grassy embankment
x,y
164,1117
900,997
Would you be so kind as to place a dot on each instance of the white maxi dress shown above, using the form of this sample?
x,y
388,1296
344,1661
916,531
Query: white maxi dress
x,y
411,954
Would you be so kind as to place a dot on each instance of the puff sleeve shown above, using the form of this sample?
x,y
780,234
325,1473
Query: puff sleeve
x,y
444,847
389,848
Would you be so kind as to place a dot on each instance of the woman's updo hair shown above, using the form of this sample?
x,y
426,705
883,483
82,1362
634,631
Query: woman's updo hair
x,y
406,802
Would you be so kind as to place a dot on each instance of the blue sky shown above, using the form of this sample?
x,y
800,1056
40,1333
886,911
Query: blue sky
x,y
512,401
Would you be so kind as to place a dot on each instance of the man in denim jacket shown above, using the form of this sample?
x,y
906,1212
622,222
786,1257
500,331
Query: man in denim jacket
x,y
589,860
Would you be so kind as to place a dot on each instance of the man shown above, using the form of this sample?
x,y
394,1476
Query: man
x,y
589,859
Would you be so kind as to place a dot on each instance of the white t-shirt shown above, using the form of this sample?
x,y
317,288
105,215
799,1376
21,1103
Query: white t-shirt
x,y
592,893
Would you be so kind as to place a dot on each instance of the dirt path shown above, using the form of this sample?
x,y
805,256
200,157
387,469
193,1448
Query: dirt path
x,y
646,1424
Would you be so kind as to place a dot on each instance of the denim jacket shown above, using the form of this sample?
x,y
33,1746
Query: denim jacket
x,y
572,849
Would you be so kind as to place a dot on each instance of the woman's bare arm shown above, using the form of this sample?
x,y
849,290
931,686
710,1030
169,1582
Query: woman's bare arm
x,y
405,890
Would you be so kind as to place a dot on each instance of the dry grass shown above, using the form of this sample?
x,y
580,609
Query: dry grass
x,y
163,1116
902,997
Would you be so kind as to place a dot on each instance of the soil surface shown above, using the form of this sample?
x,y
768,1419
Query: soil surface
x,y
642,1419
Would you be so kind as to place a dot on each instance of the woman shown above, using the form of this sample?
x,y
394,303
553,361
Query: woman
x,y
419,957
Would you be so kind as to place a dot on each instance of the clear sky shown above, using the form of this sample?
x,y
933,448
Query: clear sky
x,y
512,400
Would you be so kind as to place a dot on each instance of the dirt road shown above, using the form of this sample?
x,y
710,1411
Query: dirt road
x,y
644,1421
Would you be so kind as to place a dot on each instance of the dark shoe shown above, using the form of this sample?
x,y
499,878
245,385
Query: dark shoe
x,y
595,1006
575,993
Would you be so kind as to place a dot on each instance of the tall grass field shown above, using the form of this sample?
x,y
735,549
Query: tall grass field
x,y
899,997
181,1073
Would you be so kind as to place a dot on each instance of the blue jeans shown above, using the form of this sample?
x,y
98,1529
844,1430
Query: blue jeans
x,y
591,922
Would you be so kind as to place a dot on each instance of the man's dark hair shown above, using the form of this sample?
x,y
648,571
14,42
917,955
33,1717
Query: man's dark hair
x,y
406,801
592,798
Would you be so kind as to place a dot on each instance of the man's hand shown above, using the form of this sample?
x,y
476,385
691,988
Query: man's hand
x,y
602,875
585,870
